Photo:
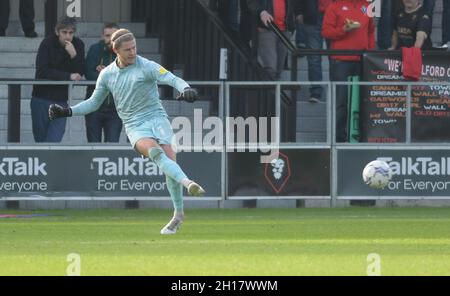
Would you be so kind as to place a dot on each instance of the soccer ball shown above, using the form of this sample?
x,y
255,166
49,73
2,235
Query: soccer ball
x,y
377,174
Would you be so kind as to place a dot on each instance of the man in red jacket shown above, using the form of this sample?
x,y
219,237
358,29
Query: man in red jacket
x,y
347,25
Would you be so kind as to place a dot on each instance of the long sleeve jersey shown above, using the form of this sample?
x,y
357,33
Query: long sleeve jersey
x,y
135,91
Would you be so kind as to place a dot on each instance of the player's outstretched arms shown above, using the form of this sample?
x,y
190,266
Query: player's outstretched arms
x,y
56,111
189,95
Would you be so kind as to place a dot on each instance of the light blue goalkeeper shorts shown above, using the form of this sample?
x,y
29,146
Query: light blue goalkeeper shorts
x,y
158,128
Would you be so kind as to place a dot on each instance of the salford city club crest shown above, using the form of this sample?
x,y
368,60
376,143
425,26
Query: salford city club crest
x,y
278,171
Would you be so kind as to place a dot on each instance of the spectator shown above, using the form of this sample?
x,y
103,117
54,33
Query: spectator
x,y
428,6
300,38
236,16
26,14
390,12
385,26
323,5
60,57
310,19
229,13
271,51
105,119
348,29
412,27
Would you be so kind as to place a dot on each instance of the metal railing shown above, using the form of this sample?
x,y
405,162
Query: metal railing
x,y
224,102
224,98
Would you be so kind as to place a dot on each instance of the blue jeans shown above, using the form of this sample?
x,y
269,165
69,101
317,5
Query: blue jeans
x,y
44,130
340,71
314,40
103,120
233,15
385,25
446,22
300,36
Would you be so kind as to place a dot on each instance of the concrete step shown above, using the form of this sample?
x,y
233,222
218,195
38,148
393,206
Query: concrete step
x,y
307,109
302,76
25,92
83,29
17,73
28,59
19,44
22,44
311,124
317,137
436,36
3,106
3,120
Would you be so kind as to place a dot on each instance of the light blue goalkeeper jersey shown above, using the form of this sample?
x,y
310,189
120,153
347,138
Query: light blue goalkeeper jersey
x,y
134,89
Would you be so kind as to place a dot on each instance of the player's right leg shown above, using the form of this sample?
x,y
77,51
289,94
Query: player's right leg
x,y
192,187
151,149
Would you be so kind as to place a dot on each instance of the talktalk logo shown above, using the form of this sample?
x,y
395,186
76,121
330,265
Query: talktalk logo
x,y
278,171
13,166
123,166
420,166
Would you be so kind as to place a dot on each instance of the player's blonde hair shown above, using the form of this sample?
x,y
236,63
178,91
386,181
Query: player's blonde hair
x,y
120,36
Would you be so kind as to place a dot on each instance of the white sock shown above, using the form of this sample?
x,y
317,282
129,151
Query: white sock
x,y
185,182
179,215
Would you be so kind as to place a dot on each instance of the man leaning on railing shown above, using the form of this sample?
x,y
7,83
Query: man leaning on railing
x,y
60,57
412,27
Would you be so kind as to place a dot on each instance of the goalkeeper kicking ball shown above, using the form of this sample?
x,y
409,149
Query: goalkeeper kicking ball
x,y
377,174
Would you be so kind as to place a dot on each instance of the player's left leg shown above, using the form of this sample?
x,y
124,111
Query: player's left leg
x,y
151,149
176,193
164,157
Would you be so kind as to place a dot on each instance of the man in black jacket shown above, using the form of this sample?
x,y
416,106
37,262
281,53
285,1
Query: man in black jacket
x,y
105,120
60,57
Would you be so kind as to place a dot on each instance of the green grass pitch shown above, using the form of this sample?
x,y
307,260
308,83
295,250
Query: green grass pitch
x,y
409,241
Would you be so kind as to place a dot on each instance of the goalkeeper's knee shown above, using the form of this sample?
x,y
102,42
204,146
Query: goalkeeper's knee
x,y
155,153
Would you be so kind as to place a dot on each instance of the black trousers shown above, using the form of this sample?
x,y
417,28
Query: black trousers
x,y
26,13
340,71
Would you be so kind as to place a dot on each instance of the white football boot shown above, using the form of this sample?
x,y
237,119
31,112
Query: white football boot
x,y
173,225
195,190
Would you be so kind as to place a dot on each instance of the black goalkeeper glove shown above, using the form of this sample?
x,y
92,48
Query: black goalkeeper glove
x,y
189,95
56,111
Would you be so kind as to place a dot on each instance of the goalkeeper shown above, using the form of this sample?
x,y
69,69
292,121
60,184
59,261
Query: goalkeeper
x,y
132,80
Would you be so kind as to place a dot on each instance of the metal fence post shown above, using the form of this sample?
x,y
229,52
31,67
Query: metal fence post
x,y
227,92
224,185
14,102
408,114
333,150
70,86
